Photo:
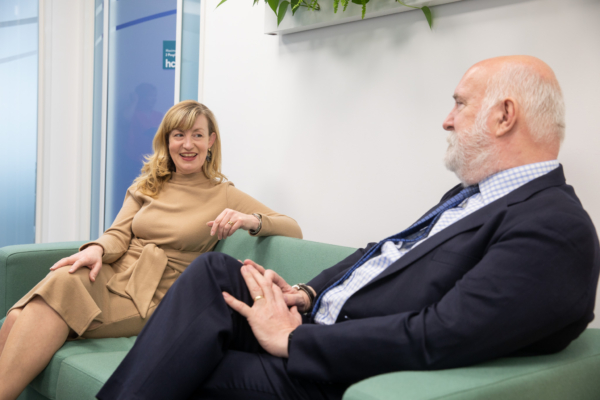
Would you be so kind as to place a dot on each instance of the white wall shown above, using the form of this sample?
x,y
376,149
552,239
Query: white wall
x,y
340,127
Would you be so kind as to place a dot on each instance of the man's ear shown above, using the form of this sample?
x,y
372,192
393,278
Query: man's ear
x,y
505,117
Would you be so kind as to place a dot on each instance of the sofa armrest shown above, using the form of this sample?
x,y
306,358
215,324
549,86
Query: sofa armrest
x,y
22,266
569,374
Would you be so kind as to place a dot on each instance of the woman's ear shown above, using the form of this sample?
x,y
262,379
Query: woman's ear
x,y
211,139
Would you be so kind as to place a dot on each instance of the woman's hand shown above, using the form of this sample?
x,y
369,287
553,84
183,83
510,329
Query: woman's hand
x,y
230,221
90,257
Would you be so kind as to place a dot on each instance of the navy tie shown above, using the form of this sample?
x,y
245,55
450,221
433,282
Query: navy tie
x,y
409,237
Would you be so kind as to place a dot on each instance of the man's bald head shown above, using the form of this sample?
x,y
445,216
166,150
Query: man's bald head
x,y
532,83
509,112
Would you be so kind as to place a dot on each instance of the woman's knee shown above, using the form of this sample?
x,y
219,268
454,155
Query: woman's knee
x,y
12,316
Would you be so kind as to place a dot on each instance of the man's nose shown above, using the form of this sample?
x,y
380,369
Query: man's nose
x,y
449,123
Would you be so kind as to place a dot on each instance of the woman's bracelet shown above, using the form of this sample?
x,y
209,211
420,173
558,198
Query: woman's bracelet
x,y
255,232
311,296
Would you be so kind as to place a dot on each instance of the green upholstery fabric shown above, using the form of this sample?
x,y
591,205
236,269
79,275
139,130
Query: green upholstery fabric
x,y
294,259
48,381
79,369
83,375
22,266
31,394
570,374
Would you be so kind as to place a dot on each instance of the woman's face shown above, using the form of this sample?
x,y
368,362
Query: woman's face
x,y
188,148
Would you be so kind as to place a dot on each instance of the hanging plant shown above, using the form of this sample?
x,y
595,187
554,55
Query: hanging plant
x,y
280,7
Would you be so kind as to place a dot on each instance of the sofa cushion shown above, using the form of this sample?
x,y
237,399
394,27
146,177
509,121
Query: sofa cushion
x,y
81,376
46,382
569,374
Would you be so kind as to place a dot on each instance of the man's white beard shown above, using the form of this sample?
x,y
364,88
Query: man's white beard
x,y
472,154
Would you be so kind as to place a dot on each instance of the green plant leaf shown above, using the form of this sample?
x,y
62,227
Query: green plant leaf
x,y
428,15
255,2
406,5
364,8
345,4
295,6
336,3
222,1
282,10
273,4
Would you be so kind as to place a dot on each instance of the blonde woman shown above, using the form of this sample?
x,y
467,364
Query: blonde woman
x,y
178,208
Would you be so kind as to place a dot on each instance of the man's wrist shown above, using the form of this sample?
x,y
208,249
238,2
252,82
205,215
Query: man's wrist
x,y
310,294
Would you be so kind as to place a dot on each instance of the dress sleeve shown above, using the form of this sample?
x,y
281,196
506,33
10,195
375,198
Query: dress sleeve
x,y
272,223
115,240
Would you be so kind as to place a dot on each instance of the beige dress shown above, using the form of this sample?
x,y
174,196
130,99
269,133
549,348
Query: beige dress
x,y
149,245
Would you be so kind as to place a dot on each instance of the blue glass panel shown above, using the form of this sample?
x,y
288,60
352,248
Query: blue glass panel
x,y
97,121
190,50
18,119
140,89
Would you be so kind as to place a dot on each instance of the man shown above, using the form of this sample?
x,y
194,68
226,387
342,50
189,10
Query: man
x,y
506,264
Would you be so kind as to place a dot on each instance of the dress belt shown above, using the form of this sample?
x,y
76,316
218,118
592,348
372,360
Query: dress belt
x,y
140,281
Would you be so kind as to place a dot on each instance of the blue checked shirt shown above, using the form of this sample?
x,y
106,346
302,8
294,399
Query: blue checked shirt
x,y
490,189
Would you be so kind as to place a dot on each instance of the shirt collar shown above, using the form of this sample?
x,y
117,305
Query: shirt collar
x,y
502,183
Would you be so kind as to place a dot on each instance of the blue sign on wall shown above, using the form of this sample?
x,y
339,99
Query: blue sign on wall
x,y
168,54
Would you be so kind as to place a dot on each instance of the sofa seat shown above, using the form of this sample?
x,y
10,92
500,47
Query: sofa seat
x,y
571,374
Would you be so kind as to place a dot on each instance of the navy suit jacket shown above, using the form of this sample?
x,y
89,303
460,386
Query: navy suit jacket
x,y
516,277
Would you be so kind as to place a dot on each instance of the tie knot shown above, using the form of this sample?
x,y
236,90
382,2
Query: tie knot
x,y
469,191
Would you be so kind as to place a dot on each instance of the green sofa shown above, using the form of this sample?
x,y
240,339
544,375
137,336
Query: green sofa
x,y
79,369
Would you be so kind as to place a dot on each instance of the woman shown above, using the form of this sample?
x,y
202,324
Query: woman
x,y
160,229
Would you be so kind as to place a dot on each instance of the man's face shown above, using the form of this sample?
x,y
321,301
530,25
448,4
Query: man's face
x,y
471,152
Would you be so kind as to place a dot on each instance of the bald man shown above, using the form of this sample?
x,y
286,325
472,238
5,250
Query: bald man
x,y
506,264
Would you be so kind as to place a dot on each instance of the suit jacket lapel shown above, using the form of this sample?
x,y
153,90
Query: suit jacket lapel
x,y
478,218
474,220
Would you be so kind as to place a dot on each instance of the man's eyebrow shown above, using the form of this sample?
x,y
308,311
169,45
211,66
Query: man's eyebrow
x,y
459,99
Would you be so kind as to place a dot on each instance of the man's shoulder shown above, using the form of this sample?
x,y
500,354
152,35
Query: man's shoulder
x,y
556,209
551,199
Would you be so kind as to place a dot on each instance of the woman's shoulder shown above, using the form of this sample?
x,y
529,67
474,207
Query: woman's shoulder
x,y
135,193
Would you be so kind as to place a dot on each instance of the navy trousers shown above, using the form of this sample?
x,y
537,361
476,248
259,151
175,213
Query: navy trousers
x,y
196,347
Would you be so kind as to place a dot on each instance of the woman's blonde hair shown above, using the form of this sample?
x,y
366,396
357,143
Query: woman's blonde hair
x,y
159,166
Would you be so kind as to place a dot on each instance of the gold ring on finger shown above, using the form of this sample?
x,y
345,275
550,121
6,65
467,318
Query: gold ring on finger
x,y
258,298
230,222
